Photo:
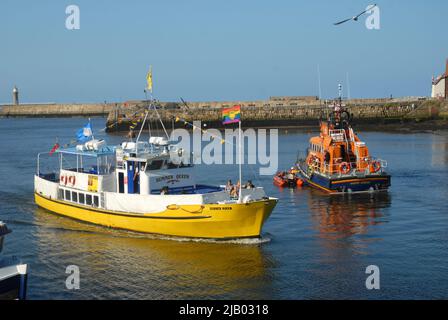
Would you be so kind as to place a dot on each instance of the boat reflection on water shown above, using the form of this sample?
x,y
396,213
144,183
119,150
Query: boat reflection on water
x,y
117,264
342,216
439,150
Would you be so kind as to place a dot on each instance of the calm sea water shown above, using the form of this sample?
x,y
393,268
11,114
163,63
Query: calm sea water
x,y
314,246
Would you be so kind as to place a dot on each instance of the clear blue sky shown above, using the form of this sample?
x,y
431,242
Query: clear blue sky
x,y
217,50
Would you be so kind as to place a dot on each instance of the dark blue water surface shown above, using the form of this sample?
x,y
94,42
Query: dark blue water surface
x,y
314,246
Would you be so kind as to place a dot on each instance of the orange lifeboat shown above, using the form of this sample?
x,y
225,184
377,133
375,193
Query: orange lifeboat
x,y
338,161
286,179
280,179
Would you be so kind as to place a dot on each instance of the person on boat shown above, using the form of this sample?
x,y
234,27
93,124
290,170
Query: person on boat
x,y
235,191
327,160
249,185
164,191
229,186
291,174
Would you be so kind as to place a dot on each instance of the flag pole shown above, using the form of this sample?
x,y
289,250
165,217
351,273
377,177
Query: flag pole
x,y
240,161
91,129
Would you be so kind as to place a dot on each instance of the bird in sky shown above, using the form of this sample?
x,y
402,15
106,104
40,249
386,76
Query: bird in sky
x,y
355,18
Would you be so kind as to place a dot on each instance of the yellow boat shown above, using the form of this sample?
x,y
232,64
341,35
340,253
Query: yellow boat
x,y
146,187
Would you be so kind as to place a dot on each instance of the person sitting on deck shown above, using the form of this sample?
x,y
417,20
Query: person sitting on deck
x,y
235,191
229,186
249,185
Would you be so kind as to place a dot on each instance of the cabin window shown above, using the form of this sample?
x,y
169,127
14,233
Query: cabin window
x,y
88,199
82,198
96,202
172,165
74,196
61,194
155,165
67,195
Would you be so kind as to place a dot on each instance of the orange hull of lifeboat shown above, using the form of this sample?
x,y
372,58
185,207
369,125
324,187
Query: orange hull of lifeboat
x,y
280,181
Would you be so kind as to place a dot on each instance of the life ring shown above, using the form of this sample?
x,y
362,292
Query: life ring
x,y
345,167
375,166
72,180
63,180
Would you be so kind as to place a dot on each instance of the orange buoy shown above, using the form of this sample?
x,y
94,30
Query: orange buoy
x,y
299,182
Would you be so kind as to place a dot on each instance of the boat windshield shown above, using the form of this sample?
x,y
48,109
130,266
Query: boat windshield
x,y
100,162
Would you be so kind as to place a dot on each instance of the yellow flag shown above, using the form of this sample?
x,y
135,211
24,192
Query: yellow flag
x,y
149,79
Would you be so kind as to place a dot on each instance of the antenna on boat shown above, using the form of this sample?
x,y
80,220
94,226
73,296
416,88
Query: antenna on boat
x,y
347,83
340,93
240,154
318,80
91,130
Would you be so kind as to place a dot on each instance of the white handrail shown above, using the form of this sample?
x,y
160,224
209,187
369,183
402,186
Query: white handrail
x,y
353,166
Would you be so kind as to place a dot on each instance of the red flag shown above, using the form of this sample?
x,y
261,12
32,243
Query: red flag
x,y
55,147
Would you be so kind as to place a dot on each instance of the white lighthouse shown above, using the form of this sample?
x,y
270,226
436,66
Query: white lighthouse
x,y
15,96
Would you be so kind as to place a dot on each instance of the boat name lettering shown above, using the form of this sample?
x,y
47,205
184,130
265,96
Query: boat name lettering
x,y
220,208
171,177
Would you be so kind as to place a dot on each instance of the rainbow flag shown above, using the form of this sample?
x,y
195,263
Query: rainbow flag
x,y
231,115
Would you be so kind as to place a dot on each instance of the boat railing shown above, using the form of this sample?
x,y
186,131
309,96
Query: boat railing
x,y
364,167
382,162
47,166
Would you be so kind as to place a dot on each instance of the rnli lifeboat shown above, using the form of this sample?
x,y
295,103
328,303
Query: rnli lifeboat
x,y
337,161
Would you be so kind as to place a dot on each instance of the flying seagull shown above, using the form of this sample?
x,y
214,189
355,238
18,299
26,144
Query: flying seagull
x,y
355,18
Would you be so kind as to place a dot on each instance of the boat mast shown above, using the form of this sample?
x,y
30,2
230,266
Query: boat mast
x,y
150,103
240,161
318,80
340,94
347,83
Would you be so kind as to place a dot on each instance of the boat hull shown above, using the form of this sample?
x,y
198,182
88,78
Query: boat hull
x,y
13,281
280,182
216,221
347,184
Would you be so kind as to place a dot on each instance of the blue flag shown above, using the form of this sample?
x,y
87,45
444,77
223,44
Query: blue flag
x,y
84,134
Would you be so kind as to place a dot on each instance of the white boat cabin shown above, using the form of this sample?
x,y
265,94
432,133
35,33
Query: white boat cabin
x,y
132,168
137,177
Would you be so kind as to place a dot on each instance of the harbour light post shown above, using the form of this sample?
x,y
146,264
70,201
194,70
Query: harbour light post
x,y
15,96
